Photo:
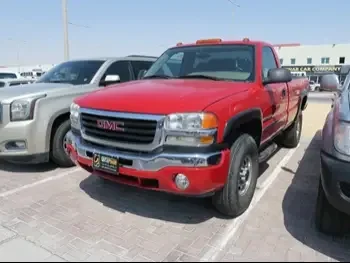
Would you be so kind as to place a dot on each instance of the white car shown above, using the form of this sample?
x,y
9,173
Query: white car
x,y
14,82
314,86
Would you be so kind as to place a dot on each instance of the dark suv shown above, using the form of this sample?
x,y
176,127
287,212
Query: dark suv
x,y
333,202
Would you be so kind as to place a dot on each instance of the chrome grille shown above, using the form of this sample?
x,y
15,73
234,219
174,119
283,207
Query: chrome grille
x,y
135,131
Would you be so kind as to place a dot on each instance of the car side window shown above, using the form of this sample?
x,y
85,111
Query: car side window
x,y
121,68
268,61
2,84
140,65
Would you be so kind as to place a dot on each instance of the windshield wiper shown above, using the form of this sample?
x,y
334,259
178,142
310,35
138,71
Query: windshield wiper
x,y
157,77
199,76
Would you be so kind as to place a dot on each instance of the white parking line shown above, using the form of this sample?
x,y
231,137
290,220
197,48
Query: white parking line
x,y
51,178
232,228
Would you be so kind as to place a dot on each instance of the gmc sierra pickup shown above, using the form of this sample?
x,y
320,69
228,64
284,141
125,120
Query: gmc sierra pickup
x,y
194,124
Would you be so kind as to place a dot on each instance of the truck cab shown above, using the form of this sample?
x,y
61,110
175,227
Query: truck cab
x,y
195,124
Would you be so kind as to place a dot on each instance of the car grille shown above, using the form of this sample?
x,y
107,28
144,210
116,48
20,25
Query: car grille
x,y
136,131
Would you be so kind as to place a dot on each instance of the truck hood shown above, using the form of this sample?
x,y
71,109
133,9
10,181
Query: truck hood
x,y
160,96
8,94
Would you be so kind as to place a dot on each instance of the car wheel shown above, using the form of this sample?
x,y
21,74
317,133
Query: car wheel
x,y
59,154
328,219
290,138
237,194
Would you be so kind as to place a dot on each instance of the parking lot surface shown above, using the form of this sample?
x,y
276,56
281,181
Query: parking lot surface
x,y
51,214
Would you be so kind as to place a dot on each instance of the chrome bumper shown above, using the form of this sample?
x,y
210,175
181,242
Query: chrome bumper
x,y
143,161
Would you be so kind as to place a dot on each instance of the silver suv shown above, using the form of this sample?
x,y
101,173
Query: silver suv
x,y
34,119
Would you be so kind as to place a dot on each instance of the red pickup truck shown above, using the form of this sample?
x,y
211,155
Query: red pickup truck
x,y
194,124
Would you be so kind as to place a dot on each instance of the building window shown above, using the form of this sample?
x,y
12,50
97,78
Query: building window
x,y
324,60
292,61
281,61
341,60
309,61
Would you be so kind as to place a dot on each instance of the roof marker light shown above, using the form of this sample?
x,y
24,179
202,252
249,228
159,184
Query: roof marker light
x,y
209,41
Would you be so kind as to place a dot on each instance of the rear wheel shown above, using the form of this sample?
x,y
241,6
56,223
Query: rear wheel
x,y
59,154
290,138
328,219
237,194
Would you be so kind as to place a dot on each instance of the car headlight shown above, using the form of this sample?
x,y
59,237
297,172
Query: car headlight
x,y
190,129
75,115
342,137
23,109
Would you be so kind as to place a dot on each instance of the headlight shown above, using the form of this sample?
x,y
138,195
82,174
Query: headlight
x,y
342,138
190,129
190,121
75,115
23,109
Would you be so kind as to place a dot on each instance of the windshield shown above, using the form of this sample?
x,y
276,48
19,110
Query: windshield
x,y
221,62
7,75
72,72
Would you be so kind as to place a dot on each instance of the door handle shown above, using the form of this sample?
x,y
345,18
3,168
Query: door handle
x,y
284,93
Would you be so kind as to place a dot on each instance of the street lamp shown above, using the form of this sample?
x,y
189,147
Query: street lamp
x,y
17,43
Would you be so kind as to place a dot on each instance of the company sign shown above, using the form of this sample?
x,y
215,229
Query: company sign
x,y
315,69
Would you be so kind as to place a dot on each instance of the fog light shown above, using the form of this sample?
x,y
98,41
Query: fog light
x,y
182,181
16,145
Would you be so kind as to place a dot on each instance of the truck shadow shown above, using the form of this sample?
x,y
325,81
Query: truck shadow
x,y
26,168
152,204
299,205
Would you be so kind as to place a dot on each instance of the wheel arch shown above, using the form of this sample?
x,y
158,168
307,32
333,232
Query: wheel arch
x,y
248,121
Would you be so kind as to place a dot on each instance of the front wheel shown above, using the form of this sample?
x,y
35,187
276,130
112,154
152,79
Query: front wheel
x,y
328,219
237,194
59,154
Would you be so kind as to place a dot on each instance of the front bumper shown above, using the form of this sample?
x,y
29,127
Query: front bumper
x,y
206,172
335,179
20,143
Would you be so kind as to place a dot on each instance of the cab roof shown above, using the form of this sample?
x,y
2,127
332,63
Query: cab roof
x,y
218,41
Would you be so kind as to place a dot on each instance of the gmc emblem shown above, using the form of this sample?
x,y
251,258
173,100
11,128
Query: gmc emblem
x,y
110,125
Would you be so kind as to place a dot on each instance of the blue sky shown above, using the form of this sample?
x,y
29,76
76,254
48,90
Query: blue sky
x,y
122,27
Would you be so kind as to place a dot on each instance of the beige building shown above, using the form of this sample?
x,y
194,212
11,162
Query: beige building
x,y
295,54
315,60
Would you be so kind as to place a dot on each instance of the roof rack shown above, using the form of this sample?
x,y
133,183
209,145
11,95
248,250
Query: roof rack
x,y
142,56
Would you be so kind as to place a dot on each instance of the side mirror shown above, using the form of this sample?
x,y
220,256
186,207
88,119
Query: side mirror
x,y
142,72
330,82
278,75
110,79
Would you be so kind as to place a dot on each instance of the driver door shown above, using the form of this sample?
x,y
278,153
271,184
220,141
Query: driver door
x,y
276,111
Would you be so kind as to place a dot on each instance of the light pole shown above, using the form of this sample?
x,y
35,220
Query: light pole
x,y
17,43
65,30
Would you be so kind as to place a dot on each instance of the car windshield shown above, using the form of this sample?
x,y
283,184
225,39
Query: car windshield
x,y
213,62
4,75
72,72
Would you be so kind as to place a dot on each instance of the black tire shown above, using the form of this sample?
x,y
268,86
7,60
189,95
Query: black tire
x,y
328,219
228,200
57,152
290,138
